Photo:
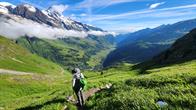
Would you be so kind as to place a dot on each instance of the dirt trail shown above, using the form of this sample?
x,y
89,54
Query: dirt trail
x,y
4,71
87,94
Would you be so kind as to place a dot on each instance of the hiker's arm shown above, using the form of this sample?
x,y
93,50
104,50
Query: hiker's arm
x,y
73,82
82,76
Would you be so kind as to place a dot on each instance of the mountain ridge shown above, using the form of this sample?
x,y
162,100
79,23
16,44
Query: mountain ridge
x,y
50,18
183,50
144,44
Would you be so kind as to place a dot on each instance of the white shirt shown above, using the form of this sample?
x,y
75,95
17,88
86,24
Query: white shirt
x,y
76,76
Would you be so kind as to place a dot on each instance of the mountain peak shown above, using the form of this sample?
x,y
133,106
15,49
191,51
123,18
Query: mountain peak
x,y
51,10
53,13
29,7
51,19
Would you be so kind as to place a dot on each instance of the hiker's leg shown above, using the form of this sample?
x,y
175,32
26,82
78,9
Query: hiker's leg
x,y
82,98
78,97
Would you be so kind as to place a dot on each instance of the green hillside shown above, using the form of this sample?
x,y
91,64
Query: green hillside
x,y
183,50
71,52
45,83
15,57
175,85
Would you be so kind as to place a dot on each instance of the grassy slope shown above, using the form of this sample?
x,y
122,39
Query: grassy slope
x,y
14,57
33,91
112,75
69,52
49,91
173,84
39,91
20,91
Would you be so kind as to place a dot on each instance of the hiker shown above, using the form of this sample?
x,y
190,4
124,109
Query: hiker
x,y
77,85
101,72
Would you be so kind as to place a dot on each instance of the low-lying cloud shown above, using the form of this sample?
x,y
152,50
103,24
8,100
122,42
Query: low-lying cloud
x,y
100,33
17,27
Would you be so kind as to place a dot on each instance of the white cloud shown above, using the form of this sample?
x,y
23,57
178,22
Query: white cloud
x,y
127,29
179,7
99,33
103,3
7,4
59,8
144,13
122,23
16,27
83,14
89,5
155,5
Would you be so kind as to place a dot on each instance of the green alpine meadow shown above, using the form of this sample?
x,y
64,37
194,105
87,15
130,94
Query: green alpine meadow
x,y
97,55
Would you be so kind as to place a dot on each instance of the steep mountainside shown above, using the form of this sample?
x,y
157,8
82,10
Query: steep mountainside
x,y
144,44
15,57
49,17
184,49
134,53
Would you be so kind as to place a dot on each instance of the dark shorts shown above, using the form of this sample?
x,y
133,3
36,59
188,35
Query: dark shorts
x,y
76,89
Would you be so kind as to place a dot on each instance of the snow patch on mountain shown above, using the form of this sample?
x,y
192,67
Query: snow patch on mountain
x,y
30,8
66,20
3,10
47,14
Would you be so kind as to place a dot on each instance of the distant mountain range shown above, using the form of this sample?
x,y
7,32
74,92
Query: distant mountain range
x,y
144,44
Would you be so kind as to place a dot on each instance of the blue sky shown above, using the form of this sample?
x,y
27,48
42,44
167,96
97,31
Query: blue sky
x,y
121,16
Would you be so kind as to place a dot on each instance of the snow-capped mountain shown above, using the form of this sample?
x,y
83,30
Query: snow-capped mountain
x,y
50,19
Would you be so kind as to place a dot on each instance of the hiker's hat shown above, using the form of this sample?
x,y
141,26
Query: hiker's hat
x,y
75,70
